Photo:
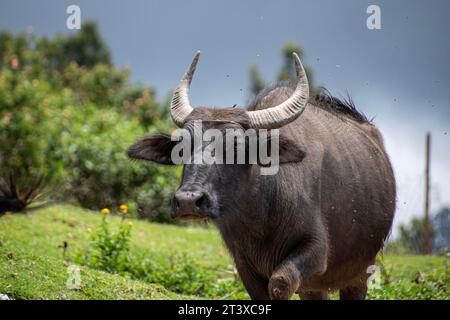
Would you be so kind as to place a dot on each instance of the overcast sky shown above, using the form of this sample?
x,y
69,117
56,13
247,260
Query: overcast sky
x,y
400,74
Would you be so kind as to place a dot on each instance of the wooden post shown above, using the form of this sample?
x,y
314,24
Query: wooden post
x,y
426,220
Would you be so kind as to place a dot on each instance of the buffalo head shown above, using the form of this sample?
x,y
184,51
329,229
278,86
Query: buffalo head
x,y
210,189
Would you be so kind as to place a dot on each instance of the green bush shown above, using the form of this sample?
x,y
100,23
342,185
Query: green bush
x,y
181,273
139,102
109,250
98,85
98,172
67,117
27,144
421,285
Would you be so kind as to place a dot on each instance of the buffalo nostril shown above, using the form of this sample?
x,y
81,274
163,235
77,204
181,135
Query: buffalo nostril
x,y
176,203
190,201
200,201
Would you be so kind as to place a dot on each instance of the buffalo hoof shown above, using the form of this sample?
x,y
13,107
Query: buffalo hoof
x,y
282,286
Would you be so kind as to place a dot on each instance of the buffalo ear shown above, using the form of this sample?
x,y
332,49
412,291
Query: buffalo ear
x,y
156,148
290,151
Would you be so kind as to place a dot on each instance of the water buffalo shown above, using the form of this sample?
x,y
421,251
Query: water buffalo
x,y
317,224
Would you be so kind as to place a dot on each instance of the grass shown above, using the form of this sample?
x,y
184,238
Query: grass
x,y
33,262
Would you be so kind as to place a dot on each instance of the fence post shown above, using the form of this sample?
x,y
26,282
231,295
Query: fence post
x,y
426,220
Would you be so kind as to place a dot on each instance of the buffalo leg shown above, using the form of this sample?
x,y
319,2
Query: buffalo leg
x,y
353,292
255,285
308,259
356,289
314,295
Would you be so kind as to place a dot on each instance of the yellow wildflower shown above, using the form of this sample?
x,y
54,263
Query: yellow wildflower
x,y
124,208
130,224
105,211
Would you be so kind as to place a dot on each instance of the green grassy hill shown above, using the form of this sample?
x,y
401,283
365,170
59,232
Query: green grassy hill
x,y
33,264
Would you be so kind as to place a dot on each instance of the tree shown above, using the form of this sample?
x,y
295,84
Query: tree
x,y
67,117
287,70
257,82
441,227
411,236
87,48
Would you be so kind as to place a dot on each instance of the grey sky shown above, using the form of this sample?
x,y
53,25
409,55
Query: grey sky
x,y
400,74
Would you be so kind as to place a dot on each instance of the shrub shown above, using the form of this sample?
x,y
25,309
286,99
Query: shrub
x,y
27,145
96,171
110,250
423,286
67,117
